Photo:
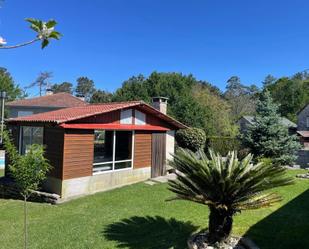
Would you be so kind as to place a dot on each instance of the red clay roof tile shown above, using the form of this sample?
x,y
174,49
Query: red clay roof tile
x,y
54,100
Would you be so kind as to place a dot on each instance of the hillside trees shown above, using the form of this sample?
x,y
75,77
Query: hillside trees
x,y
8,85
66,87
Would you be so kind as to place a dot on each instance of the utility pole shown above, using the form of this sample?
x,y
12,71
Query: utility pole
x,y
2,99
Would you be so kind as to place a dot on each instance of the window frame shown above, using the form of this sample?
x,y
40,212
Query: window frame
x,y
113,162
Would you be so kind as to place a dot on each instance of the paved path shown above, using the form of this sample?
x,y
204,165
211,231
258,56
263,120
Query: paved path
x,y
161,179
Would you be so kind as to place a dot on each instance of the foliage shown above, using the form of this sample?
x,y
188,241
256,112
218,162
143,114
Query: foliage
x,y
266,137
291,94
64,87
28,170
85,87
217,111
100,96
8,85
191,138
194,103
241,98
45,31
226,186
42,81
223,144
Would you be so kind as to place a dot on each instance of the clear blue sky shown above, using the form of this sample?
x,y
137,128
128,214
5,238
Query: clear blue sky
x,y
109,41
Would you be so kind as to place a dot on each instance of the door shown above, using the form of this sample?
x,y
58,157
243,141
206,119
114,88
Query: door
x,y
158,165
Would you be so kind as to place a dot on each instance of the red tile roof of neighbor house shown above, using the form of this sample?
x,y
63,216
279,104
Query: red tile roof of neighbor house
x,y
74,113
54,100
303,133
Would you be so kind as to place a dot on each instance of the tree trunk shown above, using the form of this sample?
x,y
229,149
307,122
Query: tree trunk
x,y
25,223
220,225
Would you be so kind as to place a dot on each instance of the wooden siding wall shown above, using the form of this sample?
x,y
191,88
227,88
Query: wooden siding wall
x,y
106,118
142,149
53,140
78,153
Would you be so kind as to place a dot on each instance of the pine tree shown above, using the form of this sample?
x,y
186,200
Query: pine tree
x,y
267,137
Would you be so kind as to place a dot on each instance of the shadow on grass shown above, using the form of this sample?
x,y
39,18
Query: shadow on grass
x,y
150,233
286,228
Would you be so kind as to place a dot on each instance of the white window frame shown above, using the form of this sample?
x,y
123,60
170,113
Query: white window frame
x,y
140,118
114,155
126,116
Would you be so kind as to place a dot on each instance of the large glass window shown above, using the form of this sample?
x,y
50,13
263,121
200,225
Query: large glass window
x,y
140,118
112,150
30,135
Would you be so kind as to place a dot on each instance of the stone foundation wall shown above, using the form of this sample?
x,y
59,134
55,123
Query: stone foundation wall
x,y
101,182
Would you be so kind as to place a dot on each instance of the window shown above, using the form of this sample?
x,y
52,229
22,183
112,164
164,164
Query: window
x,y
24,113
113,150
126,116
30,135
307,122
140,118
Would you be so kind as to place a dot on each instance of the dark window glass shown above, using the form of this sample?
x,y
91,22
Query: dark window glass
x,y
123,145
123,165
103,146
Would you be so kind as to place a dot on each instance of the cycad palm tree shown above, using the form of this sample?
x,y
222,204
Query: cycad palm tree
x,y
225,185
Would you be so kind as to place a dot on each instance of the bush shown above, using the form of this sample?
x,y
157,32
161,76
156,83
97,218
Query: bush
x,y
191,138
223,145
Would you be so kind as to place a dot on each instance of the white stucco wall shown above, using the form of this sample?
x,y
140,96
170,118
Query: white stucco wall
x,y
170,145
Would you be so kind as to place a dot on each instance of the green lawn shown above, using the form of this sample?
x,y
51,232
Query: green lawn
x,y
138,217
1,172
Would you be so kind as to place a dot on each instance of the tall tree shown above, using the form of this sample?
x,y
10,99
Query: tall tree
x,y
241,98
42,81
66,87
269,80
100,96
85,87
8,85
267,137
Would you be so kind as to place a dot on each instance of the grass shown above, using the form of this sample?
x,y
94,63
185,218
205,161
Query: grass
x,y
1,172
138,217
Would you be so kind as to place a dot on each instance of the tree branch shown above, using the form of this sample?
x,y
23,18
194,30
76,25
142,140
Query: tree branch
x,y
20,45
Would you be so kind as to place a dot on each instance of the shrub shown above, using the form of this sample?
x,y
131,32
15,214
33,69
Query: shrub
x,y
223,145
191,138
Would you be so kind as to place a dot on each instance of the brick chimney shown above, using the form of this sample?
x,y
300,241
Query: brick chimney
x,y
160,103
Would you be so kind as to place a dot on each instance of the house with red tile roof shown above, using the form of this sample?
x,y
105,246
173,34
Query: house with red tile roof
x,y
50,102
98,147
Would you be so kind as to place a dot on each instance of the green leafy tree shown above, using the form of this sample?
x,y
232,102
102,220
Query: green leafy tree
x,y
191,138
42,81
267,137
45,31
8,85
226,185
269,80
134,88
100,96
64,87
27,170
85,87
291,94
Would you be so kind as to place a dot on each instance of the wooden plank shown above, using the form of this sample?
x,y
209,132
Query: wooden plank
x,y
142,149
158,154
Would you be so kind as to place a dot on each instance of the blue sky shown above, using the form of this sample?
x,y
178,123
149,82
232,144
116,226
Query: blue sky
x,y
109,41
